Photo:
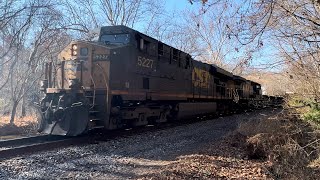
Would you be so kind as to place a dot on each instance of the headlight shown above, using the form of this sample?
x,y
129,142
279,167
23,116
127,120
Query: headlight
x,y
74,47
71,82
43,84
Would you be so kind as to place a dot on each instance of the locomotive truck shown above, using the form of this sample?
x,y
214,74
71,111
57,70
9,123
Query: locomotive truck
x,y
123,78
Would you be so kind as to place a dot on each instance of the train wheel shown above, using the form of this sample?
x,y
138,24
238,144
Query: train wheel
x,y
115,122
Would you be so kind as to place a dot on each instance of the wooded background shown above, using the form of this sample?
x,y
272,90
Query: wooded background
x,y
235,35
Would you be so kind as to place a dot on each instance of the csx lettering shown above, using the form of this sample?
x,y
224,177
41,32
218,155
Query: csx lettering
x,y
145,62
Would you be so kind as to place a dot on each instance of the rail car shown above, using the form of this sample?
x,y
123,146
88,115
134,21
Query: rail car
x,y
122,78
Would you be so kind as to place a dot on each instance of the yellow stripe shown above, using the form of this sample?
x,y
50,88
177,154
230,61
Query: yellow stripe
x,y
122,92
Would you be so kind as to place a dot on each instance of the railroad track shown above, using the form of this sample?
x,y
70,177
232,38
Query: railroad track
x,y
29,145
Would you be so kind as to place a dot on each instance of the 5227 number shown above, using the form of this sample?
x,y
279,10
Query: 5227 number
x,y
145,62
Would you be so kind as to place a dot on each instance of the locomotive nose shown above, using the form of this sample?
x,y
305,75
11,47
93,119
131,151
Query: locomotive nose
x,y
71,104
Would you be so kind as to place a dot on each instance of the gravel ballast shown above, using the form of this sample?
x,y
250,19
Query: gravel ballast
x,y
147,155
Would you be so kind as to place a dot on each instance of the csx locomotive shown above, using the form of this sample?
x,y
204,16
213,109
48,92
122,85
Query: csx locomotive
x,y
123,78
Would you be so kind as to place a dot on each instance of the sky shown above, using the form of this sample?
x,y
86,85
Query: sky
x,y
172,5
267,54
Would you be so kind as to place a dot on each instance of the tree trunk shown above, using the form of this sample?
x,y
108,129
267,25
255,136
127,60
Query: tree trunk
x,y
13,112
23,107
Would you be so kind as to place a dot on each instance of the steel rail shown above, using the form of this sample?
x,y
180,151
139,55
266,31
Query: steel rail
x,y
28,140
42,146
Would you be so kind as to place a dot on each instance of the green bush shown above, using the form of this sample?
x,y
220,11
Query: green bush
x,y
295,101
310,110
313,114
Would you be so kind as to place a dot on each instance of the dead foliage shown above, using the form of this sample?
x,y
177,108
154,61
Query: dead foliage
x,y
23,126
223,159
286,141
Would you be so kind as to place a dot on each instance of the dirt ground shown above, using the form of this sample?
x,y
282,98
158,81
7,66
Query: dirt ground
x,y
202,150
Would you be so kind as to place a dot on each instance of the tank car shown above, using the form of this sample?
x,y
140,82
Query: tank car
x,y
123,78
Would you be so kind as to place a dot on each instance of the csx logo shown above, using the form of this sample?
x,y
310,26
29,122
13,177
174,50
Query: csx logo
x,y
145,62
200,78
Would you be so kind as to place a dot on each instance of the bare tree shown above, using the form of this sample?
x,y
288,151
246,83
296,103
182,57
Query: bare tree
x,y
291,26
27,34
203,32
32,32
85,15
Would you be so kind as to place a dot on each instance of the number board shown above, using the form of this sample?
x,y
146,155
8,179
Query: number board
x,y
100,57
145,62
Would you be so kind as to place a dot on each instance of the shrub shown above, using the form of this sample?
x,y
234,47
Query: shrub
x,y
287,142
312,115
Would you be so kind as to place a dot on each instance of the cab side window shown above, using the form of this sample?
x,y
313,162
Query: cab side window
x,y
144,45
147,46
187,66
160,49
175,54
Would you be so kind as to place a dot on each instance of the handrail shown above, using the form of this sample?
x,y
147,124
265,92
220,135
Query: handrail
x,y
94,92
106,81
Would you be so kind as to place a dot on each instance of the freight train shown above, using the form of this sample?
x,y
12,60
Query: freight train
x,y
123,78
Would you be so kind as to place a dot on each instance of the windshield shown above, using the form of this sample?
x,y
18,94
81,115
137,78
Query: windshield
x,y
115,38
71,69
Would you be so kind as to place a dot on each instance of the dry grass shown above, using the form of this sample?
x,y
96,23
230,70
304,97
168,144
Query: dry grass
x,y
223,159
289,143
22,126
18,120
